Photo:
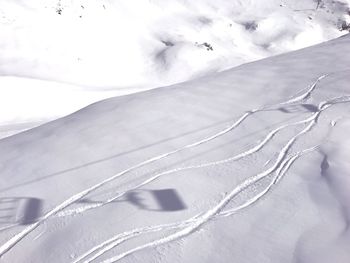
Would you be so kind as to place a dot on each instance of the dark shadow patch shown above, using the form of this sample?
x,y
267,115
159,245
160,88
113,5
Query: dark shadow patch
x,y
205,20
310,107
168,43
206,45
250,25
299,108
283,110
135,199
31,211
324,165
20,210
168,200
160,200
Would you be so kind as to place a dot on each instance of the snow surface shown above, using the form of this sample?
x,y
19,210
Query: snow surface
x,y
104,48
248,165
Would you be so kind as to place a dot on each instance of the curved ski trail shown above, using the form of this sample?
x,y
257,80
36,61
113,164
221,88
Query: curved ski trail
x,y
216,209
237,157
280,167
113,242
302,97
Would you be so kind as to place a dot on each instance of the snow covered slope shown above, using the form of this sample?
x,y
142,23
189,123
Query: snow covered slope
x,y
110,47
248,165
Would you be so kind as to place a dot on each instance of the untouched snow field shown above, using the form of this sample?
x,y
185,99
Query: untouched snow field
x,y
106,48
248,165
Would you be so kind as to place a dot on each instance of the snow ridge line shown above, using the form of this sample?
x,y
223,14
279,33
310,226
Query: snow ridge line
x,y
18,237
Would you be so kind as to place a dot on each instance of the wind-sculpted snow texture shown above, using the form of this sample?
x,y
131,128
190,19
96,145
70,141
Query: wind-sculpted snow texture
x,y
248,165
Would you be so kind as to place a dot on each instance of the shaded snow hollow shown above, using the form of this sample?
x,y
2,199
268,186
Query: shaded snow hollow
x,y
247,165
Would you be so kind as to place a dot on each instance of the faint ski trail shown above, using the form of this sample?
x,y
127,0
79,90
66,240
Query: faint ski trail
x,y
216,209
285,165
280,167
237,157
302,97
305,95
120,238
15,239
281,171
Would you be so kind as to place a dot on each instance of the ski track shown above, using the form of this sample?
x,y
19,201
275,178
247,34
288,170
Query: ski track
x,y
206,217
18,237
303,96
281,166
299,98
237,157
285,165
254,149
120,238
